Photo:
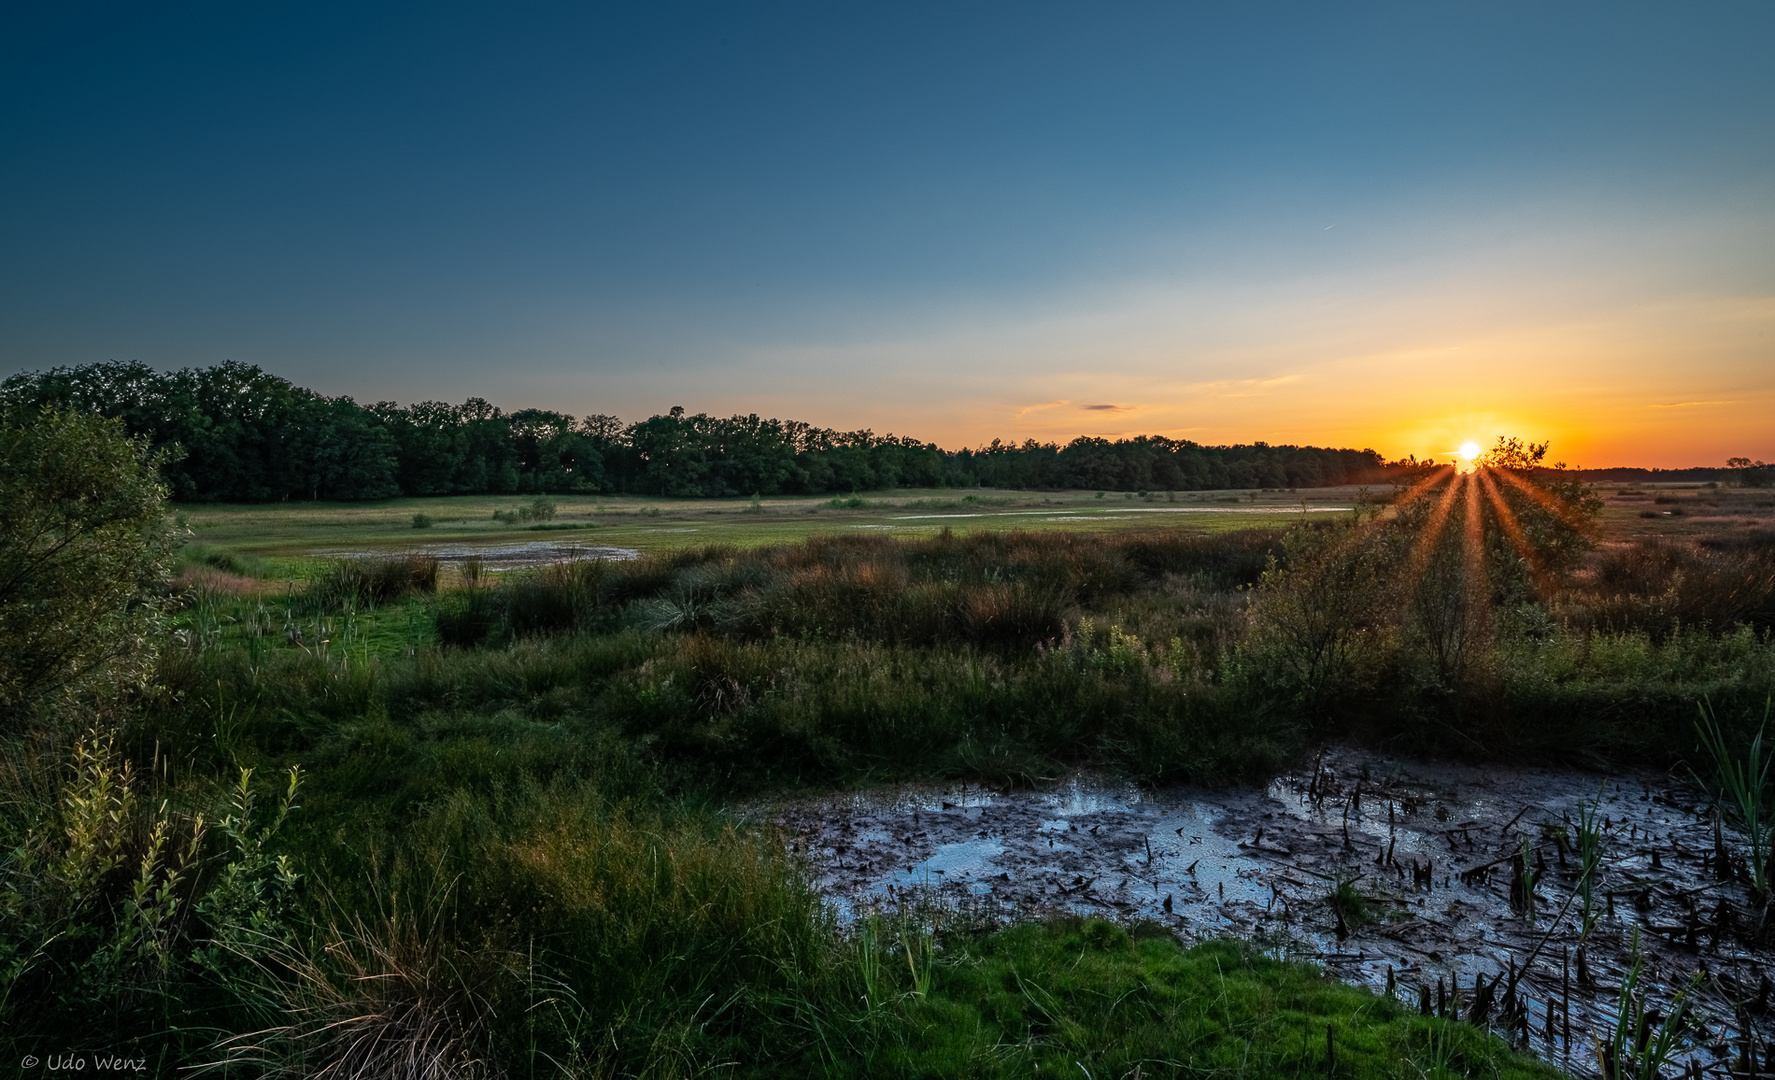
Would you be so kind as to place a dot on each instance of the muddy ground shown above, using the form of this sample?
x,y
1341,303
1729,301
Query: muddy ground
x,y
1451,915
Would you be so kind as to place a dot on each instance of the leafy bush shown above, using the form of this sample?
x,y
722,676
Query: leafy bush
x,y
93,900
85,548
114,918
1320,620
249,905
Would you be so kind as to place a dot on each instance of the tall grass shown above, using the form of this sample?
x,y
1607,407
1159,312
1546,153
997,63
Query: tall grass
x,y
371,581
995,590
1658,587
1742,785
1366,631
491,933
1009,657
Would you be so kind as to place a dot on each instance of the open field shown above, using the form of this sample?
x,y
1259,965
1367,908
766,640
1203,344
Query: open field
x,y
653,524
1683,511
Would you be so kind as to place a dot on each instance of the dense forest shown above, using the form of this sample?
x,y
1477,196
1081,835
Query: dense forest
x,y
240,434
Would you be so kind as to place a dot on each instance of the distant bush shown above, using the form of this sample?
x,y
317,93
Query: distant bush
x,y
423,521
540,509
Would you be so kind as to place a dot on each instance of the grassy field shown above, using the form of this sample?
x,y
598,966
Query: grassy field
x,y
511,847
653,524
1683,511
300,530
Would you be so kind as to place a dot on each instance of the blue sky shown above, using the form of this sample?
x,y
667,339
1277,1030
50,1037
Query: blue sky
x,y
1389,225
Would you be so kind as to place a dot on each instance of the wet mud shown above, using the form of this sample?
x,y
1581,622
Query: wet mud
x,y
1460,885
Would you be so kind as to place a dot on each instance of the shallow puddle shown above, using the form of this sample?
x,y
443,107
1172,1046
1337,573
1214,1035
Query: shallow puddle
x,y
503,556
1435,850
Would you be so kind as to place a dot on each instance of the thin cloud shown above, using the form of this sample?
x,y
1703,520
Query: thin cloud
x,y
1107,408
1692,404
1239,387
1027,409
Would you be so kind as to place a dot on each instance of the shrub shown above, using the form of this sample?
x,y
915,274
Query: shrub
x,y
109,909
92,900
84,550
1320,621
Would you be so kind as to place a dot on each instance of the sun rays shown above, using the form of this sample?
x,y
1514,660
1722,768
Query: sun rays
x,y
1490,501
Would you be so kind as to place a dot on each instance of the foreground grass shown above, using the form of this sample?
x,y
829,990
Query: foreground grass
x,y
1091,999
522,891
498,892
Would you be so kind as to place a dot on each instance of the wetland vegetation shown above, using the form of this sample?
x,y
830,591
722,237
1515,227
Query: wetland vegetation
x,y
389,814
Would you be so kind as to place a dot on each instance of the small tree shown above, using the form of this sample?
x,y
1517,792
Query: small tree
x,y
1750,473
84,545
1560,524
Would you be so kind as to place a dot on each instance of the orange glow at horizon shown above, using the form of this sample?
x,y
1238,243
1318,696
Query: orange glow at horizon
x,y
1609,371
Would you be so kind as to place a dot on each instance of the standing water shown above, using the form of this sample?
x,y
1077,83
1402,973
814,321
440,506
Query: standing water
x,y
1462,886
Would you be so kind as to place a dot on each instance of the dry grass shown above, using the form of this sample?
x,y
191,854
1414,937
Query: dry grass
x,y
394,998
997,590
211,580
1659,585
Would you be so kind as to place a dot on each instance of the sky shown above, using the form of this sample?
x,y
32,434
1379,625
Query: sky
x,y
1399,226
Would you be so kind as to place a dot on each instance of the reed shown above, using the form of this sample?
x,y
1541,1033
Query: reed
x,y
1741,784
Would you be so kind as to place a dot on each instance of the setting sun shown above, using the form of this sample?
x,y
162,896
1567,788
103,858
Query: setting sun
x,y
1469,451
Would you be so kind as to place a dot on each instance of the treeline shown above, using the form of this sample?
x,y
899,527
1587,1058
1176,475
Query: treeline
x,y
1698,474
241,434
